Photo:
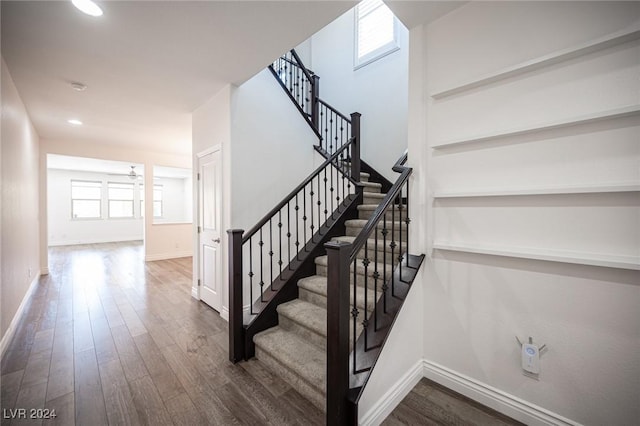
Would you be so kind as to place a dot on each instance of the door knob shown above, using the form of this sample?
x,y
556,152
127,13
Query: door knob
x,y
217,240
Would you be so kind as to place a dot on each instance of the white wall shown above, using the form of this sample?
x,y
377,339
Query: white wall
x,y
378,90
20,199
271,148
63,230
162,241
260,133
177,200
474,304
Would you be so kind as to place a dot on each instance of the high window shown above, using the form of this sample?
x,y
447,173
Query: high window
x,y
86,199
120,197
376,32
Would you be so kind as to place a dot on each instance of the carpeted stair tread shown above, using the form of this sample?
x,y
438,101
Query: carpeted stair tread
x,y
371,186
321,261
307,314
371,243
305,359
317,284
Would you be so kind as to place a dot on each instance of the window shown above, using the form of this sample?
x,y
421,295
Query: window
x,y
86,199
120,197
157,200
141,187
376,33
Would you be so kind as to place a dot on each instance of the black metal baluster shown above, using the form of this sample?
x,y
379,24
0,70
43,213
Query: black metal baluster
x,y
354,314
280,240
393,246
304,214
297,209
261,244
331,173
385,231
365,321
289,235
400,256
319,203
407,221
271,253
311,207
325,194
251,277
376,276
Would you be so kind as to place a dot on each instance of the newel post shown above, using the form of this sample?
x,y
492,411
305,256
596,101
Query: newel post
x,y
337,332
236,326
315,106
355,150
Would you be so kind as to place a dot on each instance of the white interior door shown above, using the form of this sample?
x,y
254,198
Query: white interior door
x,y
210,191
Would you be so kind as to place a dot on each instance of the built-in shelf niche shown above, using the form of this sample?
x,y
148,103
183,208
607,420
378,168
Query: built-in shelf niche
x,y
622,112
610,40
579,258
550,190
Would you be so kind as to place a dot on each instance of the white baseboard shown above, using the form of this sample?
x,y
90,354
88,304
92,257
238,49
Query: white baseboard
x,y
500,401
195,293
11,330
390,400
90,240
224,313
165,256
44,271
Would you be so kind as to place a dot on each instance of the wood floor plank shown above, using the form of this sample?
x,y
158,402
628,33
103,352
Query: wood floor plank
x,y
148,403
61,370
183,412
161,373
63,407
117,396
132,363
31,397
82,335
10,388
89,399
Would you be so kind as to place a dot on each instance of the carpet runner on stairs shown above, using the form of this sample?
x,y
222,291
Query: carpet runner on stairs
x,y
296,349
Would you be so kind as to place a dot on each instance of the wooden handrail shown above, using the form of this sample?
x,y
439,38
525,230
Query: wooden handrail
x,y
306,71
344,117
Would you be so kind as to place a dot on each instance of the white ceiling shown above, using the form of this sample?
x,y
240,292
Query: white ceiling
x,y
147,65
82,164
416,12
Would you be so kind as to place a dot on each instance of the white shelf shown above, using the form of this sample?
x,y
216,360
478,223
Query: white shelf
x,y
583,119
553,190
544,61
592,259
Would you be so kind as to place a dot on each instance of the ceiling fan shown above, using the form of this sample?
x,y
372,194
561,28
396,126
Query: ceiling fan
x,y
133,175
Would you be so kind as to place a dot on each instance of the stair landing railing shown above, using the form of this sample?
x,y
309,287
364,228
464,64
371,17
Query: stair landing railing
x,y
332,128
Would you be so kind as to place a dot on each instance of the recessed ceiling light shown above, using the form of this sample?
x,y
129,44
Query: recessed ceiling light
x,y
75,122
79,87
88,7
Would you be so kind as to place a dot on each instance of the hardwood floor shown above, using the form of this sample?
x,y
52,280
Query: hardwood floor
x,y
431,404
110,339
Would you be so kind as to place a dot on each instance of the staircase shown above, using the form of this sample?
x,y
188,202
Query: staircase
x,y
296,349
328,269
